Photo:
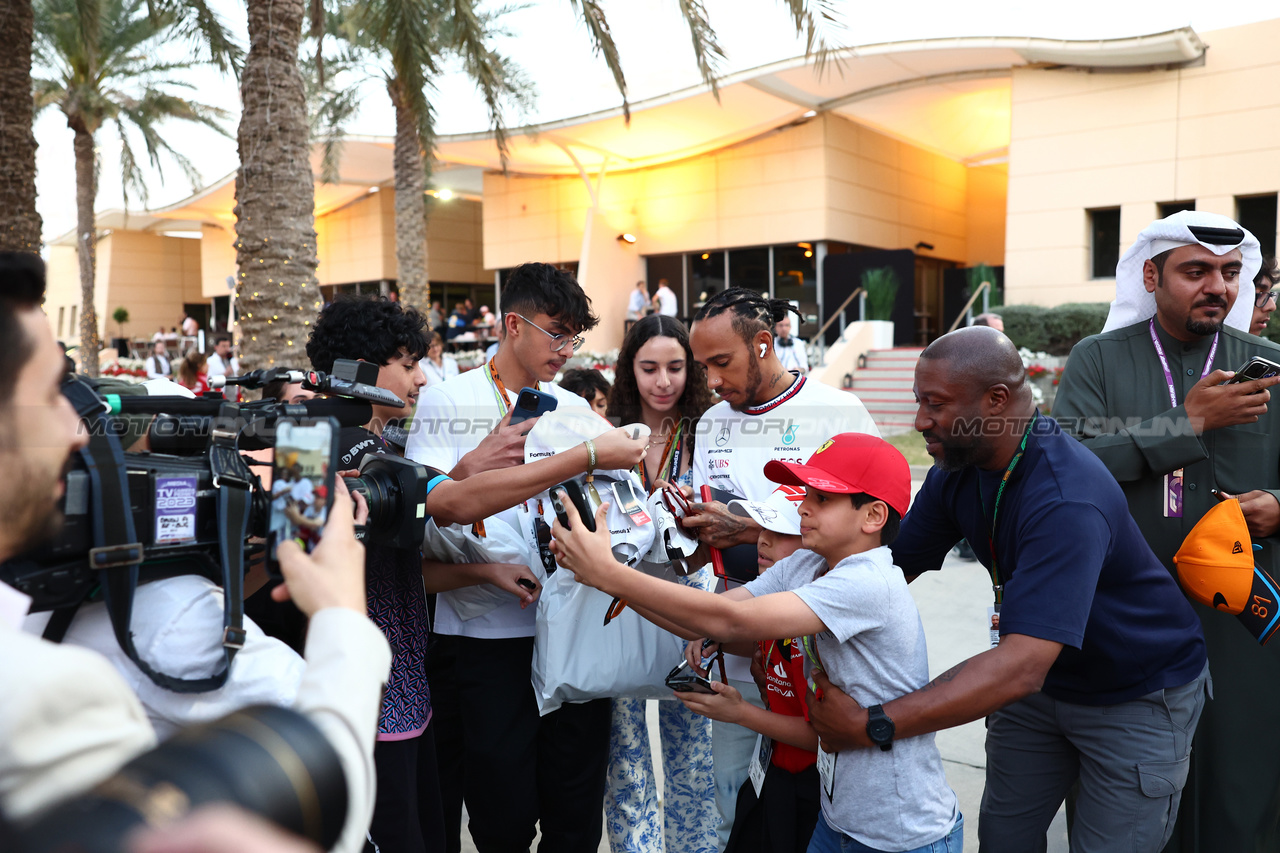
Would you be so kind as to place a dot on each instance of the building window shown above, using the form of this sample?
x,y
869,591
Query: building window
x,y
1258,214
62,310
1169,208
71,330
749,268
1104,242
706,277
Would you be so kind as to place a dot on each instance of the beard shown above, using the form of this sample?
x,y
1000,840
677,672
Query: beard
x,y
1204,328
754,380
957,457
32,516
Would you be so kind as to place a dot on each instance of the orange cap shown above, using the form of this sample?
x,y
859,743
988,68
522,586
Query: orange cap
x,y
1215,562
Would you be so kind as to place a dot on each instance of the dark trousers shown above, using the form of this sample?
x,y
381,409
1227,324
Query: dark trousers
x,y
782,819
523,771
446,724
407,816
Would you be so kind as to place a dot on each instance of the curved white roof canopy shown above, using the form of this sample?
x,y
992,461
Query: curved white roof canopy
x,y
947,95
951,96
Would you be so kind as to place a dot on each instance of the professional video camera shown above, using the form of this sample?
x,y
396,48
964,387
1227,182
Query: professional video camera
x,y
132,518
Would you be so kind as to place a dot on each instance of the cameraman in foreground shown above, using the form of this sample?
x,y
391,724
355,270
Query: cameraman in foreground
x,y
68,719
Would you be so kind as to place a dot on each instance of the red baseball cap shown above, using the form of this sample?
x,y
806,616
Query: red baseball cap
x,y
850,463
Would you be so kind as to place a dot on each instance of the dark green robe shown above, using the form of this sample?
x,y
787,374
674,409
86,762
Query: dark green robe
x,y
1113,396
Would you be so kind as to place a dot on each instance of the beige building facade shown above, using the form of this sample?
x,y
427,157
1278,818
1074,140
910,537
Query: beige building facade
x,y
1126,144
1038,158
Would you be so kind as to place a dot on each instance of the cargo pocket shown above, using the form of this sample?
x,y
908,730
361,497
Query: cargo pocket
x,y
1163,778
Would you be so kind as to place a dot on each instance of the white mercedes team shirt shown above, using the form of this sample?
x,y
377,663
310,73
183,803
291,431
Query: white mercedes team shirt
x,y
733,446
451,420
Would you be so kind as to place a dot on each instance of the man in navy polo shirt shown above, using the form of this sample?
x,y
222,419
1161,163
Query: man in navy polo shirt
x,y
1097,672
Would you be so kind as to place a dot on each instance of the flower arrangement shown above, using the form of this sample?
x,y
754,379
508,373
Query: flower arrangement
x,y
128,369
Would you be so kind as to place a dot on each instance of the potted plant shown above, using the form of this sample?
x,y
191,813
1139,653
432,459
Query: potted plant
x,y
121,316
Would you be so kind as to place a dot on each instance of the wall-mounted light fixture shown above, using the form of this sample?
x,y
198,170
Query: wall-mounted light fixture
x,y
442,194
928,247
626,238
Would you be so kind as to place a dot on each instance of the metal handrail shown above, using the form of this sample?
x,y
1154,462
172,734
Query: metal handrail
x,y
838,312
977,291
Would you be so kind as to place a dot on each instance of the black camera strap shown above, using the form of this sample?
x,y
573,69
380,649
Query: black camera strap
x,y
117,553
234,482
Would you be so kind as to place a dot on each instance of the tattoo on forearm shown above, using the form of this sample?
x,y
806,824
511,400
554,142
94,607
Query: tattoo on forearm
x,y
727,526
949,675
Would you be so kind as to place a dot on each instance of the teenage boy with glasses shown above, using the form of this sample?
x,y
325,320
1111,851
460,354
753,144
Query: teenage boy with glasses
x,y
1264,296
520,771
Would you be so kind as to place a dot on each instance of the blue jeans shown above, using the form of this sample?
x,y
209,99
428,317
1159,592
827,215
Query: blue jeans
x,y
828,840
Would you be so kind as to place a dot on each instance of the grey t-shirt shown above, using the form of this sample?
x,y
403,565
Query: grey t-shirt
x,y
874,650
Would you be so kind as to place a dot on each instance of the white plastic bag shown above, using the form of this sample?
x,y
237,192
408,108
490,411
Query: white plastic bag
x,y
576,657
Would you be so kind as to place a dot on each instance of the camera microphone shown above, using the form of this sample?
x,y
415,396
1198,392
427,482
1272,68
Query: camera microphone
x,y
322,383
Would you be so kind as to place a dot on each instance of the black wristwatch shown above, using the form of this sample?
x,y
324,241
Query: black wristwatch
x,y
880,728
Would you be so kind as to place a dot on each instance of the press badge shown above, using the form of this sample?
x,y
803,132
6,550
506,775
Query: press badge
x,y
1173,494
993,626
827,770
760,762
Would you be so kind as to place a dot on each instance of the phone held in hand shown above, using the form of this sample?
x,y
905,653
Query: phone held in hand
x,y
302,475
684,679
1255,368
579,499
531,403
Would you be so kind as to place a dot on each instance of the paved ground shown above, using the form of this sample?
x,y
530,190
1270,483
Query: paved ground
x,y
953,606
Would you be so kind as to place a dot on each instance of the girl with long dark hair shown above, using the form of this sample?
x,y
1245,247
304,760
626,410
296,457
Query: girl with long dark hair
x,y
660,385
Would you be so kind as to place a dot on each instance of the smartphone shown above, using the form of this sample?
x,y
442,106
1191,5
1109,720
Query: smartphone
x,y
579,499
684,679
531,403
1255,368
302,474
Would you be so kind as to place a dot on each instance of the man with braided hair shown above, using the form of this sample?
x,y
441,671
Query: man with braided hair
x,y
765,413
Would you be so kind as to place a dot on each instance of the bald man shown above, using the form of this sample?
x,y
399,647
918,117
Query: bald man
x,y
1097,667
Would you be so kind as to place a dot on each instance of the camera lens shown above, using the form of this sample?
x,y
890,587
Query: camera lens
x,y
269,760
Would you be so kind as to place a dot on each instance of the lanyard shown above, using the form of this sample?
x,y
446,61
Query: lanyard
x,y
1164,362
996,586
499,390
670,453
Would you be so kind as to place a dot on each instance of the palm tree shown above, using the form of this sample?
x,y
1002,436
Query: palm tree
x,y
275,190
100,58
19,221
20,224
406,40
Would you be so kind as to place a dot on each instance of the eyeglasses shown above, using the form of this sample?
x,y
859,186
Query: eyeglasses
x,y
1263,298
557,341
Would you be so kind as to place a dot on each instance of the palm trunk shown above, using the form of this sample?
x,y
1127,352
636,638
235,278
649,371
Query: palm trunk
x,y
411,210
19,223
278,293
86,245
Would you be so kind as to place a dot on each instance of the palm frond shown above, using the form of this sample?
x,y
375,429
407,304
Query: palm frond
x,y
818,20
706,49
484,67
602,42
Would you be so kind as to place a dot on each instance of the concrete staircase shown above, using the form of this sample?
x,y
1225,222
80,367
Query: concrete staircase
x,y
884,386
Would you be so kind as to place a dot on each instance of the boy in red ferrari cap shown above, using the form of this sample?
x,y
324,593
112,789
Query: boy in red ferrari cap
x,y
860,627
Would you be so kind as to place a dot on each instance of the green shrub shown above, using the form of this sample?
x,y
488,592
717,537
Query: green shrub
x,y
1053,330
974,276
882,291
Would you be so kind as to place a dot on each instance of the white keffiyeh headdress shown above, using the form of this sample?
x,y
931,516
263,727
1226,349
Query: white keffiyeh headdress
x,y
1133,303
